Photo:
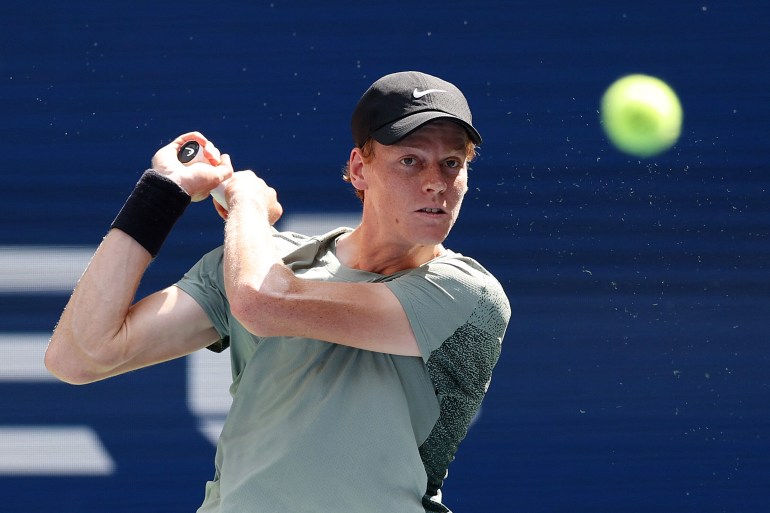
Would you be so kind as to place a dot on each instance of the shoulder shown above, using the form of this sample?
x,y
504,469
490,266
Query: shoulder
x,y
286,242
463,279
449,296
296,246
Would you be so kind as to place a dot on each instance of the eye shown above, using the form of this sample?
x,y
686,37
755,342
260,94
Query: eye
x,y
409,161
453,164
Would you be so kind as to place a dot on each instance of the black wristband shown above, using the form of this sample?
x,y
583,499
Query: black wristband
x,y
151,210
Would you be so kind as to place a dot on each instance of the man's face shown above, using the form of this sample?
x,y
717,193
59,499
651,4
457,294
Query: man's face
x,y
415,187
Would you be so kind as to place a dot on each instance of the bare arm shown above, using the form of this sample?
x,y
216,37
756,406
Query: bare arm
x,y
268,299
101,333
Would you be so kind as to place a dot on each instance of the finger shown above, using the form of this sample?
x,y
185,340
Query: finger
x,y
211,153
225,167
222,211
190,136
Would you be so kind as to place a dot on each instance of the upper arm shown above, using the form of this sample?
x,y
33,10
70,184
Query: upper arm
x,y
362,315
412,314
166,325
162,326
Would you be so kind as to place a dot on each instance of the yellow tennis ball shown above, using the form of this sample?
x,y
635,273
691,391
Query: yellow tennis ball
x,y
641,115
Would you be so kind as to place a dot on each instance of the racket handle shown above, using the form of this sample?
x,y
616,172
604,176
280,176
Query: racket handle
x,y
191,152
218,193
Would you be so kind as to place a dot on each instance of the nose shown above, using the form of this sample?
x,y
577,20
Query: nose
x,y
434,180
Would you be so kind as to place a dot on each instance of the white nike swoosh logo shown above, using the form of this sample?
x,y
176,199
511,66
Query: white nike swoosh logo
x,y
419,94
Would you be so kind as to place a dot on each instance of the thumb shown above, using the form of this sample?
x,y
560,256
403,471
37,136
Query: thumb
x,y
211,153
225,167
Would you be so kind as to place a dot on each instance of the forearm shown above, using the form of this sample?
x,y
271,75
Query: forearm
x,y
101,332
91,338
254,274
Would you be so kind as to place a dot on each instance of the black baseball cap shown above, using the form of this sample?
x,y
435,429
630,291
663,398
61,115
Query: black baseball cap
x,y
398,104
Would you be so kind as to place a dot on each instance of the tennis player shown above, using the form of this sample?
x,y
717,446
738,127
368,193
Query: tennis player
x,y
359,357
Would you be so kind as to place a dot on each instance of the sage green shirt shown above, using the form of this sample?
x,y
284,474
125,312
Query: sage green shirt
x,y
318,427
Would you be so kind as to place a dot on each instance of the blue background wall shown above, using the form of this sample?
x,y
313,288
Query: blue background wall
x,y
634,375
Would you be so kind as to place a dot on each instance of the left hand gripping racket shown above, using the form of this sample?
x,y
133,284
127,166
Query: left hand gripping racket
x,y
191,152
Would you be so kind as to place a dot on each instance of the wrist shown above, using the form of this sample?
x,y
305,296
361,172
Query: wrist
x,y
247,203
152,209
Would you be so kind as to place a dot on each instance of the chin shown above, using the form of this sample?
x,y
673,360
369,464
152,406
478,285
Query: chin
x,y
427,235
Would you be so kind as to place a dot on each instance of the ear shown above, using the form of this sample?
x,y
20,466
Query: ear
x,y
356,174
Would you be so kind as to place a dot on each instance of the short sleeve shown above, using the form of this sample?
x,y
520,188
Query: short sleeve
x,y
459,314
204,282
440,297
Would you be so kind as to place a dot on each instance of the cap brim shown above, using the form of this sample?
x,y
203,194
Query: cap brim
x,y
394,132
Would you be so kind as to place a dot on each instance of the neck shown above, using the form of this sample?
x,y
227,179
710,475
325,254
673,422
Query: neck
x,y
358,250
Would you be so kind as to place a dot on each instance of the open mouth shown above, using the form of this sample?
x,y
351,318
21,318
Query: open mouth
x,y
431,210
